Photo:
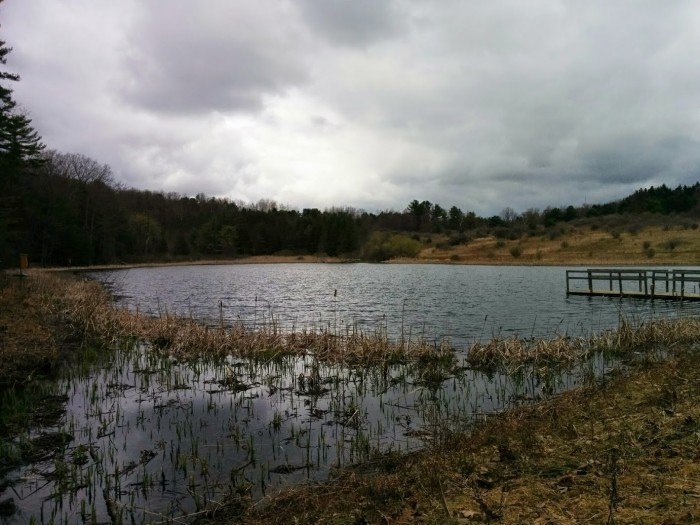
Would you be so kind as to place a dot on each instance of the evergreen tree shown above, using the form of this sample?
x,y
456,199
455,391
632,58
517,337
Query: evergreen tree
x,y
20,149
20,144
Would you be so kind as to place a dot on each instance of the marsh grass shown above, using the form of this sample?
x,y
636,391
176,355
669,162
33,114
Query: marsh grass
x,y
89,311
628,338
620,451
460,473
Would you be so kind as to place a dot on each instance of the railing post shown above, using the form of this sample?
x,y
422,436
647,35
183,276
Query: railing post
x,y
567,282
673,273
653,283
619,281
682,284
646,286
590,282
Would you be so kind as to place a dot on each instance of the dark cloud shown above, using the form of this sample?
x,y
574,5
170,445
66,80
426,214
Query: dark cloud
x,y
639,159
217,56
352,22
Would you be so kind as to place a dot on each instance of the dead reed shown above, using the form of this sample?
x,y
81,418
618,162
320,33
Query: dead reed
x,y
89,310
511,353
622,451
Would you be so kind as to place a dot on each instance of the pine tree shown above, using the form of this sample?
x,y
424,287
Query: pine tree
x,y
20,150
20,144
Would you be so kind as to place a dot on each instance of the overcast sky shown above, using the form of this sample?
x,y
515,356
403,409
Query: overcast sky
x,y
368,103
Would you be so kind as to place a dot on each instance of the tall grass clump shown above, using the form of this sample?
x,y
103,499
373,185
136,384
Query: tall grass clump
x,y
512,353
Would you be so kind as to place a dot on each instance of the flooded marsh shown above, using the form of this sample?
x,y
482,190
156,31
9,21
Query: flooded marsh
x,y
147,438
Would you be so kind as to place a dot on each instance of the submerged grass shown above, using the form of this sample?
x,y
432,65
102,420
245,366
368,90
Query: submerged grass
x,y
578,457
621,451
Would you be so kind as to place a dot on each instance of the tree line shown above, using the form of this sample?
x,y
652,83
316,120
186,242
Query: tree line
x,y
67,209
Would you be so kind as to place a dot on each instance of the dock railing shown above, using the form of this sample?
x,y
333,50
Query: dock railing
x,y
634,282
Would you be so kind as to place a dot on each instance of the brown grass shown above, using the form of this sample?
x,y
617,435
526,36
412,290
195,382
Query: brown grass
x,y
33,314
86,310
579,247
624,452
629,337
30,340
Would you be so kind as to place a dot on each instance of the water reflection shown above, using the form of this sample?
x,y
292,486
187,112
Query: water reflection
x,y
154,438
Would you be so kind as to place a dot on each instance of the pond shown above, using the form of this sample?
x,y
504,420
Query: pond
x,y
144,437
463,303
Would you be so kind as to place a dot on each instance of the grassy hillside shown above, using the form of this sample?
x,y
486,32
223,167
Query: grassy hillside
x,y
653,245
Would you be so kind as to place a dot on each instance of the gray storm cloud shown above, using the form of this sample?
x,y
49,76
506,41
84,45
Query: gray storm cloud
x,y
369,103
221,56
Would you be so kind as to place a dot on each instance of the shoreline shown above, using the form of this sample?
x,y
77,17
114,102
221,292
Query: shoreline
x,y
273,260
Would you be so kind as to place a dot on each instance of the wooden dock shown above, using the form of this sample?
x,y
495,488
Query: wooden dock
x,y
677,285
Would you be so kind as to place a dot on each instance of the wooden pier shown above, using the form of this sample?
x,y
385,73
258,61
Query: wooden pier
x,y
678,285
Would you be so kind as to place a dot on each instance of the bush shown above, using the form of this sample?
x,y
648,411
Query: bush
x,y
564,245
646,245
514,235
516,251
671,244
382,246
501,233
457,239
649,252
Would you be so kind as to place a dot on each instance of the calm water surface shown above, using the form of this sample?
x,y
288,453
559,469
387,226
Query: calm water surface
x,y
464,303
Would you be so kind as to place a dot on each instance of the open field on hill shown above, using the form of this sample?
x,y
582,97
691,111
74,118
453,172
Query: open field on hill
x,y
654,245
